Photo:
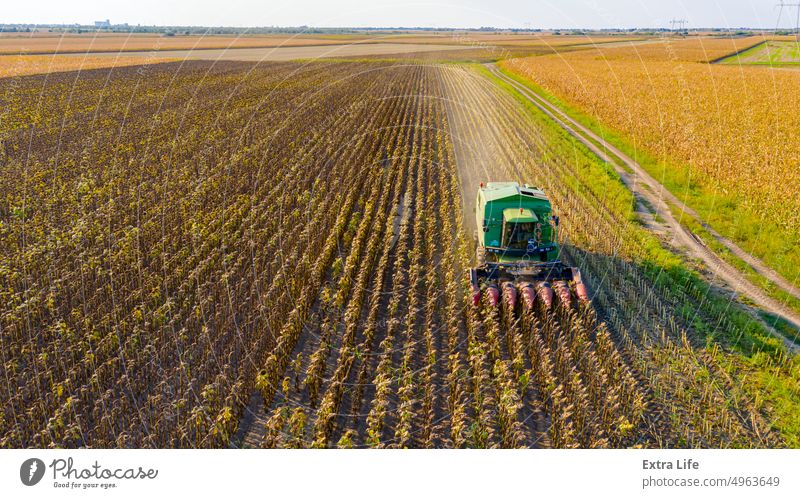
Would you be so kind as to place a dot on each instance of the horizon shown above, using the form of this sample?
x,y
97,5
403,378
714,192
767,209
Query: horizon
x,y
469,15
394,28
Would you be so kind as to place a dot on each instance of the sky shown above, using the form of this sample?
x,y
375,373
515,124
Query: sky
x,y
589,14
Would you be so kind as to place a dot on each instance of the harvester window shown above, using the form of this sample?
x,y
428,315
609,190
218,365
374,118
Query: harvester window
x,y
518,235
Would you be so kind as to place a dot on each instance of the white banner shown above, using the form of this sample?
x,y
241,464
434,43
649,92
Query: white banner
x,y
411,473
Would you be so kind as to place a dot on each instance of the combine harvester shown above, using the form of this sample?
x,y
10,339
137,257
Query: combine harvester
x,y
517,250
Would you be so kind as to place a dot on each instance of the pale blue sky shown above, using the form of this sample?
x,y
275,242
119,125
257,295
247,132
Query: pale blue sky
x,y
387,13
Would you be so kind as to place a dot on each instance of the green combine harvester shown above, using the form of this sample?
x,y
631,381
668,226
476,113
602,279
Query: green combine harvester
x,y
517,249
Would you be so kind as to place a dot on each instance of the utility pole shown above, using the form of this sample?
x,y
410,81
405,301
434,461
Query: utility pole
x,y
681,23
783,4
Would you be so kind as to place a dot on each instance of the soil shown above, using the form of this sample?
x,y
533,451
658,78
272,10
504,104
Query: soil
x,y
286,53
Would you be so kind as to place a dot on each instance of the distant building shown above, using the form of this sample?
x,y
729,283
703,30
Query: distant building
x,y
102,24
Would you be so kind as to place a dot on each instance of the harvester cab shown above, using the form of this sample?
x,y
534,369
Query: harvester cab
x,y
517,249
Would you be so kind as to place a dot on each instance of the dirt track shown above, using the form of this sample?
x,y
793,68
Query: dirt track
x,y
646,187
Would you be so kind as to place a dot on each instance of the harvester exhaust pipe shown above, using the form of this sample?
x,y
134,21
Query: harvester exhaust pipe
x,y
510,295
546,294
528,295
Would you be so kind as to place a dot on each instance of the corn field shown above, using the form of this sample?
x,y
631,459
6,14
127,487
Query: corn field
x,y
716,132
